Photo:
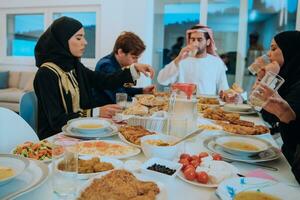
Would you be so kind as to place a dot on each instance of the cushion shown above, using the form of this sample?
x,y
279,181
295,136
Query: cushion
x,y
25,77
12,106
11,95
29,85
13,81
4,79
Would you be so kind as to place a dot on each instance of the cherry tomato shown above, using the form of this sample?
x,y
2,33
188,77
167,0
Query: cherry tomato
x,y
217,156
185,155
202,155
184,160
195,157
202,177
188,168
195,163
190,174
184,163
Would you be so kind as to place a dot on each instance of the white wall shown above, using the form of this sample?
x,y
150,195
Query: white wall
x,y
115,16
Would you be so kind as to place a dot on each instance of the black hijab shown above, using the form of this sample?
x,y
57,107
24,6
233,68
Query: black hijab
x,y
53,46
289,43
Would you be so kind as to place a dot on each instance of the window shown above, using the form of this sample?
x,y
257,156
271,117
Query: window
x,y
226,32
88,20
23,31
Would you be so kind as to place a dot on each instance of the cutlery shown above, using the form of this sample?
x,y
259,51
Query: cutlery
x,y
256,164
187,137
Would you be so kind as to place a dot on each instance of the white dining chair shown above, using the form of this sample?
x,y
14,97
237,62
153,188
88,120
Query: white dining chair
x,y
14,130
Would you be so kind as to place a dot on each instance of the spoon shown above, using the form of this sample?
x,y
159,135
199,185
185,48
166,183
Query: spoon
x,y
193,134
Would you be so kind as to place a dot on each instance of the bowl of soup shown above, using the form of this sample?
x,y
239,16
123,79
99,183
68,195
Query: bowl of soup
x,y
160,146
242,145
11,166
257,195
90,125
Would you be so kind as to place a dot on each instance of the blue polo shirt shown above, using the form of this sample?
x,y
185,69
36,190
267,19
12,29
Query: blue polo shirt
x,y
109,64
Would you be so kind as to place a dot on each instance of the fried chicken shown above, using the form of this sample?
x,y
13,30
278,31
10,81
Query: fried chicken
x,y
120,185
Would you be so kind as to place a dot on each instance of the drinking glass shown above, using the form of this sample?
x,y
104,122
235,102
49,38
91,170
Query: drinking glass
x,y
121,99
64,168
194,51
254,68
272,81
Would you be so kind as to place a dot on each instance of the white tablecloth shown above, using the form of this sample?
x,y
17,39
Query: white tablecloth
x,y
178,189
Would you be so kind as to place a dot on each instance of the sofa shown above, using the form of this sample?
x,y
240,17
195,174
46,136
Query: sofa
x,y
17,83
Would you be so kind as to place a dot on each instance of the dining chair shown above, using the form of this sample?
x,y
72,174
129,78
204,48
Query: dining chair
x,y
14,130
28,109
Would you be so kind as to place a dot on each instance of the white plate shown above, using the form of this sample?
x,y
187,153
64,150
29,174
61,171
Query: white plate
x,y
250,112
17,163
238,107
133,150
230,187
230,167
68,131
117,164
261,144
76,123
271,154
123,139
163,194
46,160
34,175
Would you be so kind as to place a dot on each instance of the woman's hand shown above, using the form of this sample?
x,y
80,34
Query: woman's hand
x,y
279,107
149,90
147,70
108,111
271,67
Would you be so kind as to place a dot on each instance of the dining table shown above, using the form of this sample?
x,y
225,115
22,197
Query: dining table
x,y
178,189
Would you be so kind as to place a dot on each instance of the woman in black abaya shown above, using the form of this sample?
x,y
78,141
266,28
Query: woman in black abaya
x,y
62,83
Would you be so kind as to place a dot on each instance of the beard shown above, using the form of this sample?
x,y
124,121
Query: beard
x,y
200,50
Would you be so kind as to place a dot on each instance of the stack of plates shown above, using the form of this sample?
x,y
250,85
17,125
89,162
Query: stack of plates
x,y
89,128
267,152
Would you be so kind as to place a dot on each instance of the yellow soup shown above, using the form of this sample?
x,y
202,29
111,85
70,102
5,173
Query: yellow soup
x,y
251,195
241,146
90,126
6,172
157,143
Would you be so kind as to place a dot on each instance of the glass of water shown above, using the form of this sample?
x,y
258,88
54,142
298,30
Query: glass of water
x,y
272,81
65,168
254,68
121,99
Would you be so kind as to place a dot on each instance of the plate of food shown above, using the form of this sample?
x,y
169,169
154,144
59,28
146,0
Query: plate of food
x,y
268,155
132,134
205,170
107,148
70,132
90,166
242,145
41,151
239,108
90,125
11,166
255,188
121,184
242,127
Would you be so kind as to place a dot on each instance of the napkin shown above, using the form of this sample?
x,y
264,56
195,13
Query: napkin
x,y
259,173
